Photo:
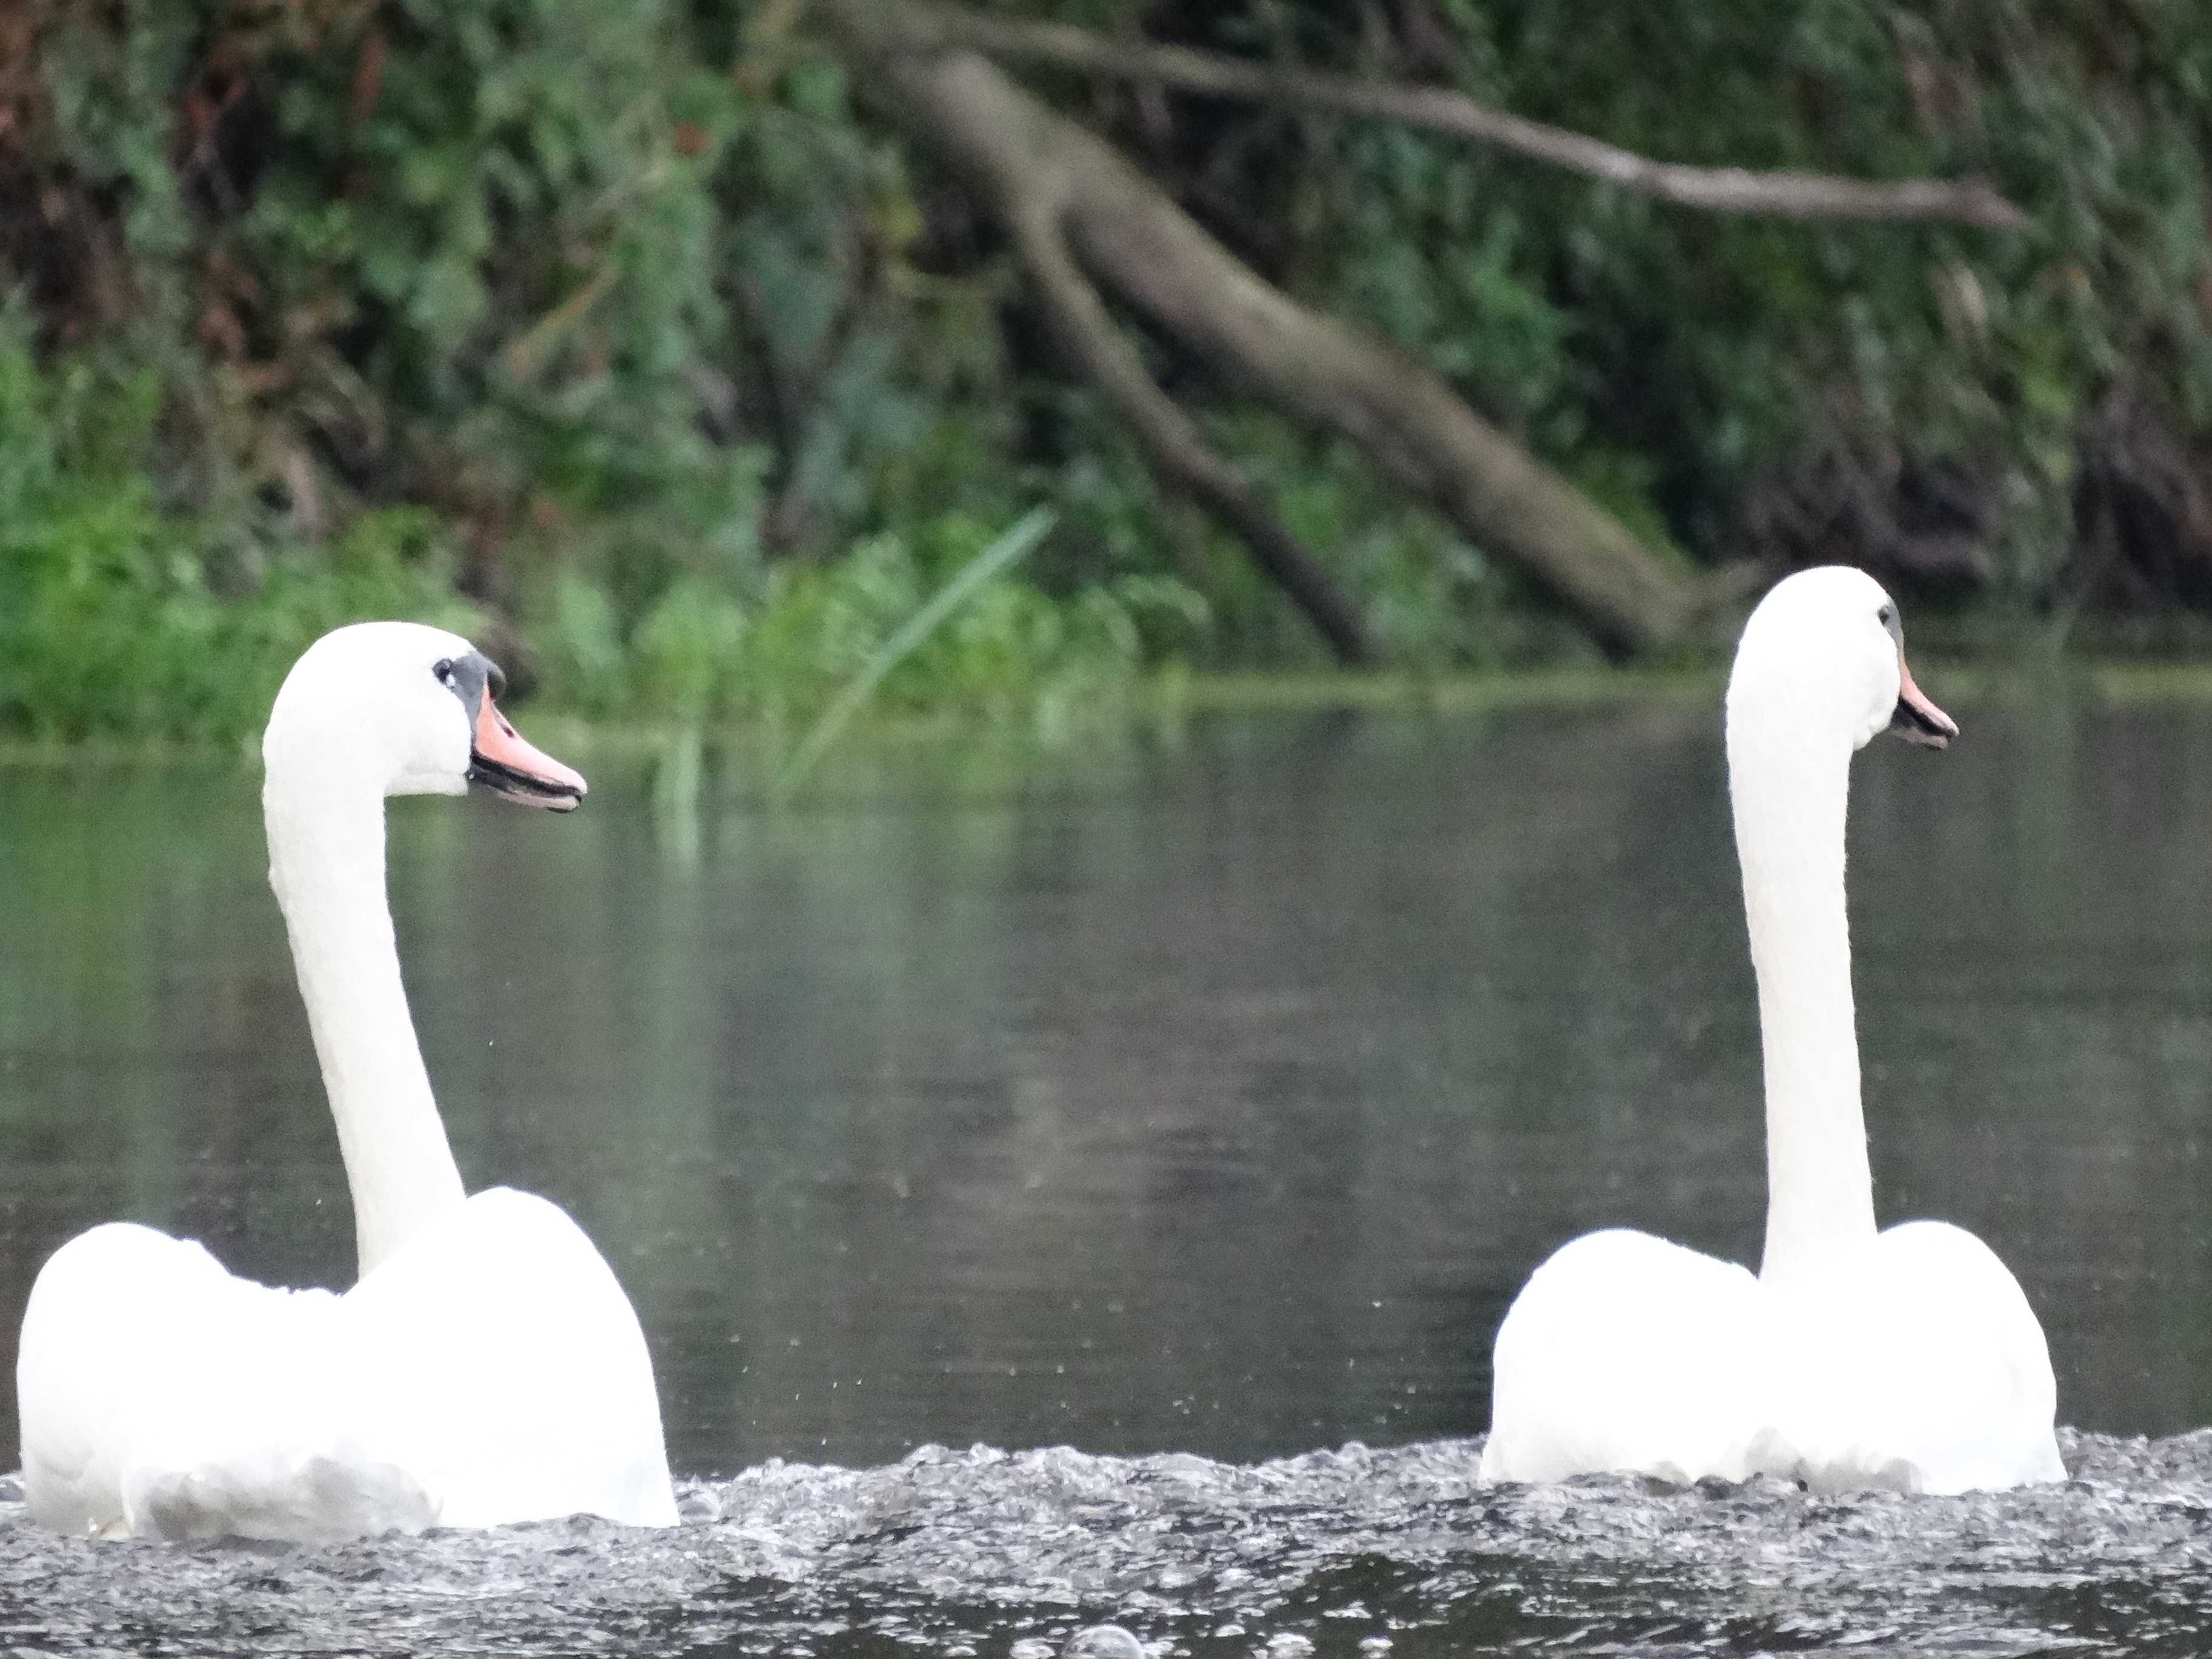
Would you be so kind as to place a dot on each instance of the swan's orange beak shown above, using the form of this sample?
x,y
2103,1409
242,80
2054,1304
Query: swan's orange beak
x,y
1917,719
503,761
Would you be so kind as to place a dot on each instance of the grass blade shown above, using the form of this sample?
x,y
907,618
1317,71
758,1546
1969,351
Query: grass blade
x,y
1001,554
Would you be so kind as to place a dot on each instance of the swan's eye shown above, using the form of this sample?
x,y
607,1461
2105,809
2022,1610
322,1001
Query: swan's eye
x,y
444,670
1886,616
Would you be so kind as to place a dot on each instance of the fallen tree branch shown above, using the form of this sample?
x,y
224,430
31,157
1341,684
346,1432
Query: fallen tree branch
x,y
1787,195
1031,202
1172,444
1089,223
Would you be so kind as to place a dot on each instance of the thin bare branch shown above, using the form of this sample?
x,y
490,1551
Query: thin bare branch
x,y
1786,195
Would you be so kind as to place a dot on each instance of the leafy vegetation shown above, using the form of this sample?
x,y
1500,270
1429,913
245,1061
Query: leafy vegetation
x,y
116,615
627,338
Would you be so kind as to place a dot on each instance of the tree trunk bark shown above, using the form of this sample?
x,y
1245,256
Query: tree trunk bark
x,y
1057,187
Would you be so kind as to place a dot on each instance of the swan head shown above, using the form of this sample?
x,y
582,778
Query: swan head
x,y
1825,652
412,711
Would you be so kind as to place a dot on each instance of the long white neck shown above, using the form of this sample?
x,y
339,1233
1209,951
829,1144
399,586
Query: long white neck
x,y
326,863
1789,782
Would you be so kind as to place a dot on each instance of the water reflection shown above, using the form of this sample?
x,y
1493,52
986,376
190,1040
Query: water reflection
x,y
1211,1096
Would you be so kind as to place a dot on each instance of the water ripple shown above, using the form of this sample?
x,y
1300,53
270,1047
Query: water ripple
x,y
1347,1551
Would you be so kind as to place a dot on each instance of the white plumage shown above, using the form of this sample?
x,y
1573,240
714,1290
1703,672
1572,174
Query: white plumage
x,y
487,1367
1907,1359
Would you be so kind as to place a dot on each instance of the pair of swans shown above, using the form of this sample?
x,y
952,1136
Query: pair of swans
x,y
1906,1358
486,1368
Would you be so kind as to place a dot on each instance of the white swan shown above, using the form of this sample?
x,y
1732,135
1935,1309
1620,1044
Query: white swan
x,y
487,1368
1906,1358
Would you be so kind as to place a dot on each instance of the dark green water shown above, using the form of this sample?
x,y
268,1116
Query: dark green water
x,y
1210,1097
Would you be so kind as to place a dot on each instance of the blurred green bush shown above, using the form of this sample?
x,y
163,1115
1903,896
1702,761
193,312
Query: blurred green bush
x,y
619,333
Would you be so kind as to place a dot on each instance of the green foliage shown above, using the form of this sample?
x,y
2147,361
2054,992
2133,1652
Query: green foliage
x,y
1756,372
633,323
779,652
1000,556
118,617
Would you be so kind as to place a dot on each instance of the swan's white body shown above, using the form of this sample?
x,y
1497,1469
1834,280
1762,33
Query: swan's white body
x,y
1907,1359
486,1368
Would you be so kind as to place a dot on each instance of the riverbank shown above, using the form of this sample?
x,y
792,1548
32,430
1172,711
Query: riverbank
x,y
1156,705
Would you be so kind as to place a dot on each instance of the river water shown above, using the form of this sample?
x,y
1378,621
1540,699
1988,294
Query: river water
x,y
1162,1128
